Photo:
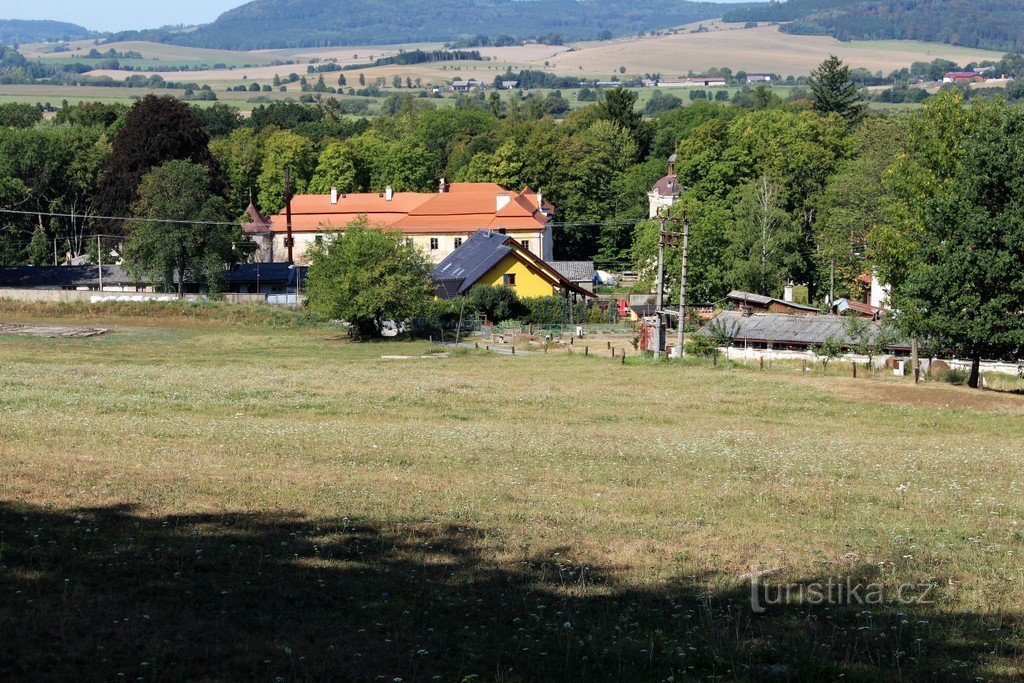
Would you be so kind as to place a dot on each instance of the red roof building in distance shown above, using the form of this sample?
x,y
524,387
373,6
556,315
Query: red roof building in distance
x,y
963,77
437,222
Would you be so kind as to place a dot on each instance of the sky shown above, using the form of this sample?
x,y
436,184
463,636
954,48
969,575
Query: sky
x,y
118,15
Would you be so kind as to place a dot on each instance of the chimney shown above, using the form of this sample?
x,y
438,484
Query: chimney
x,y
502,231
388,193
503,199
334,196
442,186
540,201
787,294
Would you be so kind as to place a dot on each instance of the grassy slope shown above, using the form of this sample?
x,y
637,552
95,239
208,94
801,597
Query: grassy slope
x,y
189,499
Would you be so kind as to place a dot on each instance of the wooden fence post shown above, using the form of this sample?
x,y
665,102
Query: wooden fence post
x,y
513,350
854,364
586,350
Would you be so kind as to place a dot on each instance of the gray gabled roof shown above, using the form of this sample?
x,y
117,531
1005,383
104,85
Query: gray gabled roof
x,y
784,329
577,271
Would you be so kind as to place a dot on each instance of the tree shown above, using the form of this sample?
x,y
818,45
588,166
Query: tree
x,y
282,151
17,115
764,248
618,106
835,92
240,155
334,170
40,249
965,287
192,248
367,277
155,130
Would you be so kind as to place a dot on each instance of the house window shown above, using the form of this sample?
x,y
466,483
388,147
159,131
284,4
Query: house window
x,y
458,242
433,243
319,239
408,241
525,244
509,279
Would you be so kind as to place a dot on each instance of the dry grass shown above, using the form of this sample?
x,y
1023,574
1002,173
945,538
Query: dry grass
x,y
188,498
762,49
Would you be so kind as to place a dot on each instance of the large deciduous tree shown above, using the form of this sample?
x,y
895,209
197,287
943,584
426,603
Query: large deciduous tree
x,y
367,277
155,130
191,243
965,287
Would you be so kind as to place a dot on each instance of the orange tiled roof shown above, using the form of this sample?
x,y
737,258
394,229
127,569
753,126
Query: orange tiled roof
x,y
465,207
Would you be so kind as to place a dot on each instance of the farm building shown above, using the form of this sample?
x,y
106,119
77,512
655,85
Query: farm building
x,y
757,303
496,259
780,331
436,222
81,278
245,278
761,78
580,273
856,308
963,77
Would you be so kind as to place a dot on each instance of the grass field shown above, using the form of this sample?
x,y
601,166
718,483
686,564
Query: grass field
x,y
186,498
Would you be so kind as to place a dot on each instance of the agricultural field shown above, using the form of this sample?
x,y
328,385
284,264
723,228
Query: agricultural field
x,y
212,495
720,45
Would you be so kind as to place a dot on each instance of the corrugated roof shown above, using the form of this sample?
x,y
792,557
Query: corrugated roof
x,y
781,328
63,277
577,271
263,272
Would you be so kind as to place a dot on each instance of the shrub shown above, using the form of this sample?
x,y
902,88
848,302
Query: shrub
x,y
953,376
496,303
702,345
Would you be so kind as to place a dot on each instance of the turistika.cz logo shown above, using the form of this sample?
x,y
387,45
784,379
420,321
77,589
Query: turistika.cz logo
x,y
841,592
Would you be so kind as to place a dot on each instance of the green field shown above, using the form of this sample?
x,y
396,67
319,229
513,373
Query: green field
x,y
255,498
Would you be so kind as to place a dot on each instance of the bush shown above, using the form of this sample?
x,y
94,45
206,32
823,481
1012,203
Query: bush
x,y
497,304
953,376
553,310
702,345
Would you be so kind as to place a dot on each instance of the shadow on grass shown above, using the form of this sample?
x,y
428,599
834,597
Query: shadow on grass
x,y
111,594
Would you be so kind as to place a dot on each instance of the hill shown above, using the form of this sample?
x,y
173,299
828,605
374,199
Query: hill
x,y
269,24
30,31
986,24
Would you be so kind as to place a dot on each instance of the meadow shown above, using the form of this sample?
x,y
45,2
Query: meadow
x,y
191,496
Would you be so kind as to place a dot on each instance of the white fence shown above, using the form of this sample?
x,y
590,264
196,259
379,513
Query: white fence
x,y
745,355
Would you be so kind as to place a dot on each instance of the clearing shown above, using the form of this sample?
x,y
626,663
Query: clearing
x,y
191,498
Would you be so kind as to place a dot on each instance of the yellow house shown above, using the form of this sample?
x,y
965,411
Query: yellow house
x,y
493,258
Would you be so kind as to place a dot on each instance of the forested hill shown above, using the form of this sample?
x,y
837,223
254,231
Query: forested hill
x,y
988,24
265,24
30,31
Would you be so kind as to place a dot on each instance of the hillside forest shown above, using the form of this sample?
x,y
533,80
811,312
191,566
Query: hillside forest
x,y
984,24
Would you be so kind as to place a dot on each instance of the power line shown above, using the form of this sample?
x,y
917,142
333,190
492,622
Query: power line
x,y
115,218
580,224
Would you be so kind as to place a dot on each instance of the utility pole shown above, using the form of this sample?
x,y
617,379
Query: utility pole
x,y
659,302
681,333
99,258
289,240
832,283
676,240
